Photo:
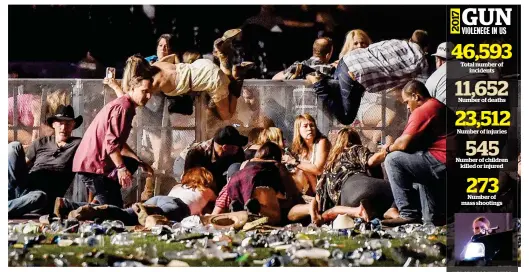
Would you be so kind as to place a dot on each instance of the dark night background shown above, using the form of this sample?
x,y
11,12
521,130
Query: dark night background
x,y
114,32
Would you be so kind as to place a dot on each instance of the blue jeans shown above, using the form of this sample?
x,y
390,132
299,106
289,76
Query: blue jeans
x,y
32,202
341,96
404,170
17,170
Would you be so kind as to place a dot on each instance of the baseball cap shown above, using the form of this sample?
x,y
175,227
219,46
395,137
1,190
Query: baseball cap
x,y
234,167
444,50
229,136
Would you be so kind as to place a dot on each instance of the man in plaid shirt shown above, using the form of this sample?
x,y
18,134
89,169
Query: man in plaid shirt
x,y
379,67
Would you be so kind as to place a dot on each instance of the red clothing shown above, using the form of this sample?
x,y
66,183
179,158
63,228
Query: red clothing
x,y
24,110
428,126
223,200
108,132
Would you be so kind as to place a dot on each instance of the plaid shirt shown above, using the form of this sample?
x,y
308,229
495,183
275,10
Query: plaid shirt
x,y
387,64
223,200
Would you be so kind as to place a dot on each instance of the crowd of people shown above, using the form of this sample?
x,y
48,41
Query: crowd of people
x,y
401,178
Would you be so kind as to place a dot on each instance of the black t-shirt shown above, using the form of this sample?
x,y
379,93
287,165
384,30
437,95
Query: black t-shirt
x,y
51,170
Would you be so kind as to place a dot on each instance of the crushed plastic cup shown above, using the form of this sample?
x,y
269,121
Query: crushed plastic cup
x,y
337,254
122,239
366,258
95,241
428,228
191,222
128,264
374,244
297,227
56,226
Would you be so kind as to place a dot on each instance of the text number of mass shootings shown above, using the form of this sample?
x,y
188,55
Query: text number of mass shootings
x,y
481,88
476,188
486,118
483,52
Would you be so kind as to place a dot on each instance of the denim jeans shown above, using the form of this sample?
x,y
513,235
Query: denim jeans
x,y
406,169
341,96
32,202
17,170
105,190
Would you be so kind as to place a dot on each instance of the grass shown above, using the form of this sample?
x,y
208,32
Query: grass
x,y
72,253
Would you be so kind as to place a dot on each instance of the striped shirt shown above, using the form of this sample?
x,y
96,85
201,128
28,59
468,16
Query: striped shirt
x,y
387,64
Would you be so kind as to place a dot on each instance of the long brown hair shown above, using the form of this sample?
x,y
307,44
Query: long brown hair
x,y
346,137
299,146
136,66
198,178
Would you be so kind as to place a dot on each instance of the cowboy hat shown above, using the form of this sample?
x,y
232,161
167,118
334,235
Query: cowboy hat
x,y
65,113
226,220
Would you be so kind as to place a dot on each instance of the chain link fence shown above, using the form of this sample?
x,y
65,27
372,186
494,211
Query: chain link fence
x,y
159,137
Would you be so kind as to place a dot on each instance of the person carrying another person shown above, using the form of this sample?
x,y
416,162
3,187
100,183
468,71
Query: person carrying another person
x,y
223,84
216,154
309,153
104,162
190,197
322,52
419,156
378,67
44,172
347,185
436,82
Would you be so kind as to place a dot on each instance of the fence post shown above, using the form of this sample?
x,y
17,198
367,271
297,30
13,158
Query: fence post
x,y
78,105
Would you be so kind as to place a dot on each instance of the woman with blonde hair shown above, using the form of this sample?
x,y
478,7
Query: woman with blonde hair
x,y
346,186
355,39
271,134
309,152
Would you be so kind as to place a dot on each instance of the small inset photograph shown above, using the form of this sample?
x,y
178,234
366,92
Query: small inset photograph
x,y
483,239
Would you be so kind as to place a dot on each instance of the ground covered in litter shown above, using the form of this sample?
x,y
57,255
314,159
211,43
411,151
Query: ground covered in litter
x,y
110,243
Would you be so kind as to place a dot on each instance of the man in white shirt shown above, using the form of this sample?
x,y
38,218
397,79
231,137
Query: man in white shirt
x,y
437,81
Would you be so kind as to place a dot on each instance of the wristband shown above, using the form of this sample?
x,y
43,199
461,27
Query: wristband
x,y
388,149
121,166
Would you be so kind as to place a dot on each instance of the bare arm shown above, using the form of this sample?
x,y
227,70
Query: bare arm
x,y
279,76
226,107
401,143
127,151
322,152
113,84
292,23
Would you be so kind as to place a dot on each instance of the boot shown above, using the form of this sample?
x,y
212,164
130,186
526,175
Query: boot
x,y
149,189
143,211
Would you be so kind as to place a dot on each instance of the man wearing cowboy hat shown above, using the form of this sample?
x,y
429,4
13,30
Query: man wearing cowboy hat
x,y
44,172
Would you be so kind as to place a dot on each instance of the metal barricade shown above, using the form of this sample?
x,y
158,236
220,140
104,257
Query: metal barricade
x,y
157,136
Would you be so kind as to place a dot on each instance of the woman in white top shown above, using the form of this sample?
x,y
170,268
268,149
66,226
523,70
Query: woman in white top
x,y
309,153
185,199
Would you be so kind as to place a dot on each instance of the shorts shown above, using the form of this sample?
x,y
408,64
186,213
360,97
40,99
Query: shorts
x,y
201,76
